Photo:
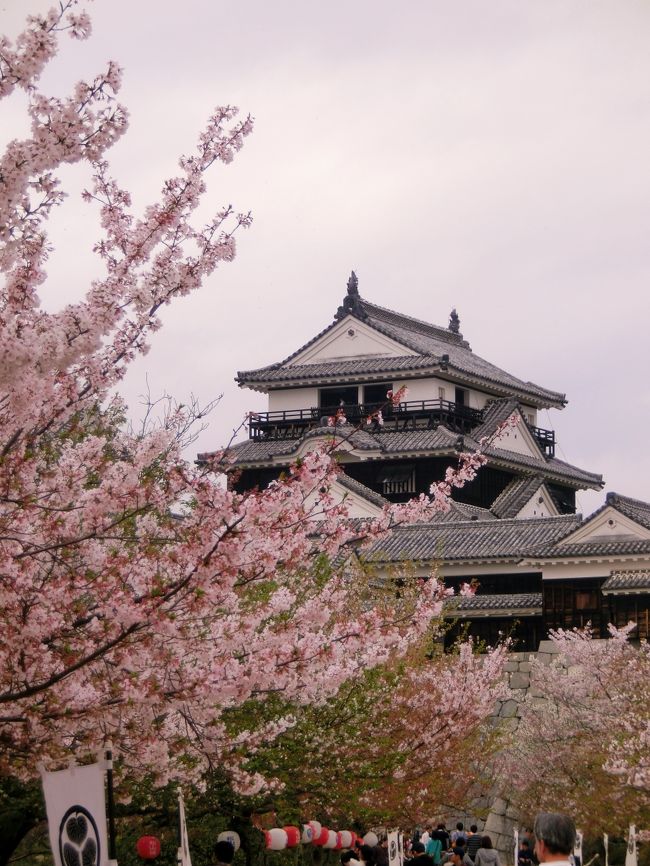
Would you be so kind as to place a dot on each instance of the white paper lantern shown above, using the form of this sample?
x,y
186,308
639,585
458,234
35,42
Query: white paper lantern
x,y
307,834
331,840
230,836
276,839
346,838
371,839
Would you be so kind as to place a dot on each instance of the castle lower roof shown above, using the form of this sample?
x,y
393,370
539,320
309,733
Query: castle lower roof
x,y
471,541
404,444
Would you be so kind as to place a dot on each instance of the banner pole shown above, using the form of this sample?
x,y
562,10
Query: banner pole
x,y
112,854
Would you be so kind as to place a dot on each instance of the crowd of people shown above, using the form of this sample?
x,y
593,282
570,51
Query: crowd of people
x,y
552,840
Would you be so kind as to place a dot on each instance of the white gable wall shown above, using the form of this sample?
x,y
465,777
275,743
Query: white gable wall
x,y
539,505
519,439
609,524
351,339
356,505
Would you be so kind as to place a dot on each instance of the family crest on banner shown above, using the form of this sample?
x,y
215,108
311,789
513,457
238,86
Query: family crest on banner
x,y
75,803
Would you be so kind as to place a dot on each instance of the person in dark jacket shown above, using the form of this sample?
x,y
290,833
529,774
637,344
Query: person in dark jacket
x,y
473,844
420,858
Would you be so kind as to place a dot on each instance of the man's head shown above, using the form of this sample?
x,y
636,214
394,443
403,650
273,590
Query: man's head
x,y
224,851
457,856
417,848
555,836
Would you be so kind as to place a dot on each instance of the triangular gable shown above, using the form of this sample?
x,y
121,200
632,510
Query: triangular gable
x,y
518,439
357,505
345,448
607,524
350,338
540,504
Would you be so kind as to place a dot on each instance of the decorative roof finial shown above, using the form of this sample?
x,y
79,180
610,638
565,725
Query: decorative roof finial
x,y
454,322
352,305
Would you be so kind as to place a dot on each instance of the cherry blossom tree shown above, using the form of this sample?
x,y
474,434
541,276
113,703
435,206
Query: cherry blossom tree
x,y
387,748
582,743
142,598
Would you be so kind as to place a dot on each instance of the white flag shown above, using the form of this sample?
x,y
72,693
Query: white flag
x,y
606,847
76,815
630,855
577,848
400,847
183,856
516,858
393,849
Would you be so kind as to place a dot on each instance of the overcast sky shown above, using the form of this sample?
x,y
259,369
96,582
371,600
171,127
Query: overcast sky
x,y
491,156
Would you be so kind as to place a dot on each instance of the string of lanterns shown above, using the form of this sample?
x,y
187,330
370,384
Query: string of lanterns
x,y
277,839
315,834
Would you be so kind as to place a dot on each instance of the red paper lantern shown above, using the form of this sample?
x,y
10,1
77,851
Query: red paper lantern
x,y
322,837
148,847
293,836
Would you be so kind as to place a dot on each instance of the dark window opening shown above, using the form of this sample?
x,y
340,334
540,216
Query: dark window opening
x,y
461,396
375,395
333,398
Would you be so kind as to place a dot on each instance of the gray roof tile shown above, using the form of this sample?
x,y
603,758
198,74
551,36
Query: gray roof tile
x,y
429,341
627,581
471,541
505,602
513,498
365,492
440,441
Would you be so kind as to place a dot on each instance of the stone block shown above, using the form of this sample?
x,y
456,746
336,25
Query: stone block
x,y
499,806
525,667
495,826
519,681
509,709
547,646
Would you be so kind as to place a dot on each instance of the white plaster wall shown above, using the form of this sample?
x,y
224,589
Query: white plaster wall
x,y
535,508
351,339
293,398
566,571
356,505
519,440
427,389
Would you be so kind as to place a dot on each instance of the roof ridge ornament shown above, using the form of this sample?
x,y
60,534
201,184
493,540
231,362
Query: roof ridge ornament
x,y
351,305
454,322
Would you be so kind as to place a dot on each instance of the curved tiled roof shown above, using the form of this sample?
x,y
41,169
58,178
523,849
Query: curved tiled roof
x,y
441,442
513,497
361,490
471,541
627,581
435,347
510,602
620,546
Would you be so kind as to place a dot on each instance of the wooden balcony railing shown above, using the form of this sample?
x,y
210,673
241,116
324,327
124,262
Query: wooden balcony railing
x,y
410,415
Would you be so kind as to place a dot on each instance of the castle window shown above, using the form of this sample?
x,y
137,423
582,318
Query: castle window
x,y
461,397
375,395
398,479
333,398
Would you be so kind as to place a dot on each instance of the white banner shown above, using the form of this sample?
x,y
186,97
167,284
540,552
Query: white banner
x,y
516,858
630,854
76,815
183,855
577,848
400,847
393,849
606,847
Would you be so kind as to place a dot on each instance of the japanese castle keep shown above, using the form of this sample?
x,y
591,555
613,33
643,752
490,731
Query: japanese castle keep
x,y
514,530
